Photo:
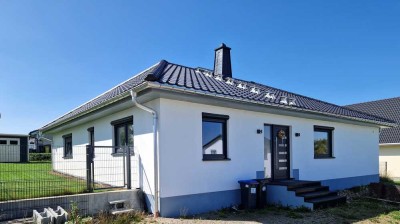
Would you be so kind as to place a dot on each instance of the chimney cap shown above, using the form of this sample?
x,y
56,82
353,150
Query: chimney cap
x,y
222,46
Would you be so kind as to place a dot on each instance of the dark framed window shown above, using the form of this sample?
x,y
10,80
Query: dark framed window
x,y
123,133
67,146
323,146
13,142
214,136
3,142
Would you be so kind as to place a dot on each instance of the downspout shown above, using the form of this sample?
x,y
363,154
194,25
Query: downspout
x,y
156,152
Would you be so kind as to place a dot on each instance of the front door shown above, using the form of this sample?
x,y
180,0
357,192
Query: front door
x,y
280,152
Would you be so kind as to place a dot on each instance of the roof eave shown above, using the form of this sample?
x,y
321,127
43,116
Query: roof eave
x,y
183,89
389,144
49,127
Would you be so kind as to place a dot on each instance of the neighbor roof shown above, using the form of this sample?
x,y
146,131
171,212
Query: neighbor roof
x,y
387,108
200,80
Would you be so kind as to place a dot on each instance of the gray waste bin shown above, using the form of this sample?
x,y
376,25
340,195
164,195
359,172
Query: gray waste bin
x,y
262,193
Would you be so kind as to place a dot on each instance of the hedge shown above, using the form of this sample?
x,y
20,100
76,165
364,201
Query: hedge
x,y
39,157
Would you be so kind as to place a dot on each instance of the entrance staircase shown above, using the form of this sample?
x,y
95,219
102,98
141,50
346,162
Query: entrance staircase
x,y
314,195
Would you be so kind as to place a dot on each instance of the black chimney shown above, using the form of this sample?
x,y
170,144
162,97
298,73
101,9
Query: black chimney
x,y
222,61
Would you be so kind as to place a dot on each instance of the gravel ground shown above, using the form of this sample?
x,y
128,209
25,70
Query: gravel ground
x,y
356,211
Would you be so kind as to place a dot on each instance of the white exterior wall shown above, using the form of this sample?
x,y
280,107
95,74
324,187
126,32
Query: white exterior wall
x,y
182,171
107,166
391,156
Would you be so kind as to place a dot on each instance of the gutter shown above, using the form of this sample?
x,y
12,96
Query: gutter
x,y
389,144
156,151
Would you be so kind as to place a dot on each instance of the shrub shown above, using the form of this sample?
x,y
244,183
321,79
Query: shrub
x,y
386,179
39,157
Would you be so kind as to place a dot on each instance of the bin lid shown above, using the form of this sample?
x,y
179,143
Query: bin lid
x,y
248,182
262,180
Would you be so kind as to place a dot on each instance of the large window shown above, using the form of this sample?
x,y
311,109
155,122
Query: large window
x,y
123,133
214,136
323,142
67,146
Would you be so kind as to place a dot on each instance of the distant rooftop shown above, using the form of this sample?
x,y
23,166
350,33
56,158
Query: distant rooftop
x,y
386,108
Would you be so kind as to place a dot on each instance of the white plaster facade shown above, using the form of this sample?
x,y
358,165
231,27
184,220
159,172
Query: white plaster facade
x,y
182,170
355,149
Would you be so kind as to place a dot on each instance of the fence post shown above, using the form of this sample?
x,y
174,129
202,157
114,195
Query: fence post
x,y
386,169
128,168
89,161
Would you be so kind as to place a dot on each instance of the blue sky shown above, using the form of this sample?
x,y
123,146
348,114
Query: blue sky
x,y
56,55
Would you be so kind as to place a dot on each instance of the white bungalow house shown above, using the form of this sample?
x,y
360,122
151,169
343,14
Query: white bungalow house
x,y
389,138
196,132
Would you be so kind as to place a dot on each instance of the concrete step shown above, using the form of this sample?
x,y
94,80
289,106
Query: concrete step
x,y
303,190
327,201
303,184
317,194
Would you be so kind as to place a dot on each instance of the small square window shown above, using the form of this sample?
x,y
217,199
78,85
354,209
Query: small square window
x,y
13,142
214,136
323,142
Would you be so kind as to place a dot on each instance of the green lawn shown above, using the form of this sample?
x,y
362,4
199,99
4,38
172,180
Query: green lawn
x,y
35,179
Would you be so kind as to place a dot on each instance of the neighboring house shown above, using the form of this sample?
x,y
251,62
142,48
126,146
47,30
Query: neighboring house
x,y
39,143
389,138
13,148
196,132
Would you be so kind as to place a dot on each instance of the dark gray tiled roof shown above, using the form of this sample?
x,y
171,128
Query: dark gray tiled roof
x,y
387,108
202,80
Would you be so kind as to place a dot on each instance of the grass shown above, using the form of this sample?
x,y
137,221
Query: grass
x,y
35,179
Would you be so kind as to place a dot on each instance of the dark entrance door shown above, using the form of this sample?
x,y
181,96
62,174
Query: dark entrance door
x,y
280,152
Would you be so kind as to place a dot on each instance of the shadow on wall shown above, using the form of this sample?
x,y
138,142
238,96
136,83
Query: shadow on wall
x,y
149,198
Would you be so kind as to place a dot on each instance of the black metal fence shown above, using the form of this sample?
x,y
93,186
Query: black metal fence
x,y
85,169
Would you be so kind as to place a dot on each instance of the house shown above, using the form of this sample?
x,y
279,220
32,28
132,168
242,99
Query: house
x,y
389,138
39,143
13,148
196,132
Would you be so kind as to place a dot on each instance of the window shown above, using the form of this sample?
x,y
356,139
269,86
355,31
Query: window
x,y
214,137
13,142
67,146
323,142
123,133
3,142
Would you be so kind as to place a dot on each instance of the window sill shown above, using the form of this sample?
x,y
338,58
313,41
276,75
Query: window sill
x,y
67,157
329,157
226,159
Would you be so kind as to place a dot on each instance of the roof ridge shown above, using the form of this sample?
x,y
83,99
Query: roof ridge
x,y
156,71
